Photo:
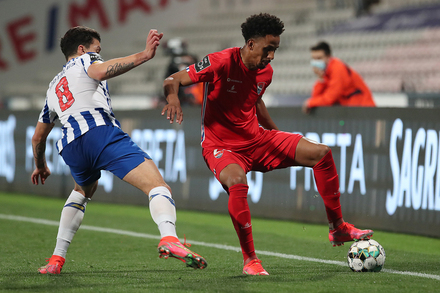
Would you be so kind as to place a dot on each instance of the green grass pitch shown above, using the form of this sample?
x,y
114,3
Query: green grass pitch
x,y
298,256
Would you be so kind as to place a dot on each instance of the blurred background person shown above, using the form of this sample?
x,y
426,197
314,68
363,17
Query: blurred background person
x,y
363,7
337,84
180,59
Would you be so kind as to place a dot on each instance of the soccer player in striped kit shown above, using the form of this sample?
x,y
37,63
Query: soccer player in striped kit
x,y
233,141
92,140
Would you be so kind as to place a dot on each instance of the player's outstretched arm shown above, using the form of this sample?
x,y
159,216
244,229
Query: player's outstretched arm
x,y
263,116
171,89
118,66
39,149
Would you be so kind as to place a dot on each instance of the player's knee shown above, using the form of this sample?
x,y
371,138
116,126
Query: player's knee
x,y
169,188
233,180
147,192
323,150
87,190
320,152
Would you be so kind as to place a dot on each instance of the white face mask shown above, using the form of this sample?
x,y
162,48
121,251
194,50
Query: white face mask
x,y
320,64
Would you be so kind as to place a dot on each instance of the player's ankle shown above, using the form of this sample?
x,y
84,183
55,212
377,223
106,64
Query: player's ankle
x,y
249,259
335,224
170,239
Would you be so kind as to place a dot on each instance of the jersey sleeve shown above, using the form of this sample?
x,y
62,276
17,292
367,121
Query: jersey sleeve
x,y
90,58
46,115
206,70
318,88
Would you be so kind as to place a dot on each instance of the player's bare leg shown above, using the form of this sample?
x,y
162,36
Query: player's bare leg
x,y
319,157
147,178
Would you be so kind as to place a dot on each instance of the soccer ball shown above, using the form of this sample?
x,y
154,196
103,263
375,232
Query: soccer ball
x,y
366,256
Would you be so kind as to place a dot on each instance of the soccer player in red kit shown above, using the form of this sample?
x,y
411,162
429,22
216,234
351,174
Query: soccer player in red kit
x,y
238,134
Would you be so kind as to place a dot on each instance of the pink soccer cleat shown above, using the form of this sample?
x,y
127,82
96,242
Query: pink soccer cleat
x,y
171,246
347,232
54,266
254,267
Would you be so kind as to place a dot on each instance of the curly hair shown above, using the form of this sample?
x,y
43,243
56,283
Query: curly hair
x,y
261,25
79,35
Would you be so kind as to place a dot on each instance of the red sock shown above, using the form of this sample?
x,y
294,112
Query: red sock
x,y
241,218
327,181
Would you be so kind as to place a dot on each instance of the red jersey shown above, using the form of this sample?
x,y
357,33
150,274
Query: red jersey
x,y
231,91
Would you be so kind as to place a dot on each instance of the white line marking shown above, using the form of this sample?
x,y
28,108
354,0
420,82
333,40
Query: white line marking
x,y
213,245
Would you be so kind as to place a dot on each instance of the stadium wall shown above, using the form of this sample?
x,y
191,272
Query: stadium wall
x,y
30,30
388,161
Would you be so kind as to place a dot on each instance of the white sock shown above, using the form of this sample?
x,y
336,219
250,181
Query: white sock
x,y
163,211
71,218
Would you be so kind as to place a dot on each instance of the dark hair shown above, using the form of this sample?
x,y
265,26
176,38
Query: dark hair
x,y
324,46
261,25
79,35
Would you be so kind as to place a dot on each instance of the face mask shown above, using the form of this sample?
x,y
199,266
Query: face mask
x,y
320,64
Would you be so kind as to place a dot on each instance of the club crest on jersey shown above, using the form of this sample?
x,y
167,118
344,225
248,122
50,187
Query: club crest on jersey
x,y
218,154
205,63
260,87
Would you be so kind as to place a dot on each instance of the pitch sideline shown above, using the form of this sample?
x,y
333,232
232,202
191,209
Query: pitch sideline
x,y
206,244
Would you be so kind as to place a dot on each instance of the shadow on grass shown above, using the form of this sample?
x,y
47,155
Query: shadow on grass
x,y
84,279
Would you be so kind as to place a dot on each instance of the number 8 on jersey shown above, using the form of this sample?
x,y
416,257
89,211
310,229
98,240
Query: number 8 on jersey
x,y
65,97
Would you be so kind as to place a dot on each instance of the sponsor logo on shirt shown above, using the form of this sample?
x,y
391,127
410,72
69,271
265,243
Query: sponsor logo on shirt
x,y
232,90
234,80
260,87
205,63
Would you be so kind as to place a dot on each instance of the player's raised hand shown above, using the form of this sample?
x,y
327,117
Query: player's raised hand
x,y
41,174
152,43
173,110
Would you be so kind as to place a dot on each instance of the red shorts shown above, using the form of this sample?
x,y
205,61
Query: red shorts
x,y
275,150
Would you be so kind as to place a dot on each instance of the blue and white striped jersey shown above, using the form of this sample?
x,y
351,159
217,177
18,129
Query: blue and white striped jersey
x,y
78,101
